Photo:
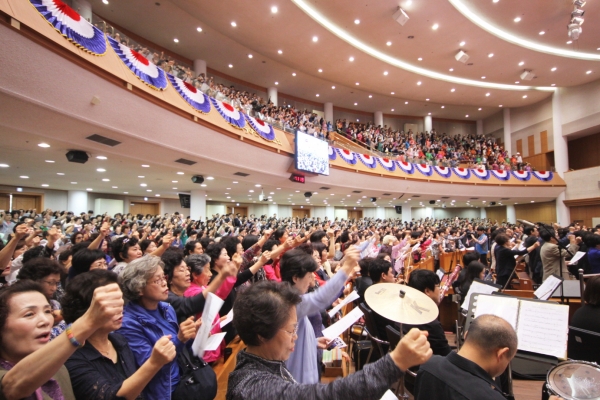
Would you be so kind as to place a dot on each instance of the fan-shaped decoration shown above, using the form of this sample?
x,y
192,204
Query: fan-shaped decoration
x,y
425,169
332,153
192,95
522,175
444,172
347,155
229,114
143,68
463,173
387,164
368,160
483,174
261,127
503,175
406,167
72,25
543,175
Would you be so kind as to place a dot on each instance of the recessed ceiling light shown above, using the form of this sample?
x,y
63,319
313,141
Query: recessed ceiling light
x,y
357,21
199,29
428,113
250,56
233,24
419,83
435,26
145,166
176,40
388,43
355,104
483,77
101,170
517,82
203,185
315,39
518,19
180,173
393,93
73,183
157,195
357,83
143,184
451,69
104,180
487,94
148,190
320,70
479,109
351,59
274,10
420,58
553,69
45,185
279,51
141,176
234,181
521,63
293,74
277,83
461,44
44,145
490,55
554,84
569,42
58,173
426,99
257,185
589,72
230,65
406,102
500,105
24,177
210,178
453,90
443,106
101,157
467,116
105,1
495,1
50,161
370,96
5,166
90,189
317,95
333,87
533,201
524,96
392,109
542,32
385,73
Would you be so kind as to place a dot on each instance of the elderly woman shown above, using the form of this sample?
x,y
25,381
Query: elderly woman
x,y
104,368
30,367
148,317
265,315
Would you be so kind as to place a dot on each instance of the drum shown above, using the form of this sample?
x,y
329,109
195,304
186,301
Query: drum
x,y
574,380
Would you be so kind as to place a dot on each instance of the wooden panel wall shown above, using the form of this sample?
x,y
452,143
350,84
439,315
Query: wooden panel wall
x,y
537,212
520,146
540,161
496,213
530,145
544,141
585,214
584,152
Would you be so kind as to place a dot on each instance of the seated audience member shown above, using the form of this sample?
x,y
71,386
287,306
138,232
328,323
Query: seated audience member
x,y
381,271
297,267
265,315
87,260
490,345
46,273
588,316
104,368
148,317
429,283
30,367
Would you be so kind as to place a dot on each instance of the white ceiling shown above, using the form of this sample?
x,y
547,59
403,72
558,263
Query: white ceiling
x,y
262,33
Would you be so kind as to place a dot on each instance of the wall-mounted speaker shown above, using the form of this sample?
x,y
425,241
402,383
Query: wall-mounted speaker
x,y
431,201
197,179
77,156
398,209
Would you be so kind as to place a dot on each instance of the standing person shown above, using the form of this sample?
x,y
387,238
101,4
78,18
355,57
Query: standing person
x,y
552,255
481,245
505,257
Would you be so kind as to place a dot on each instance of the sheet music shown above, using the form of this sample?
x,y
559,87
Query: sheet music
x,y
501,306
351,297
211,309
544,328
576,257
214,341
479,288
228,318
548,287
340,327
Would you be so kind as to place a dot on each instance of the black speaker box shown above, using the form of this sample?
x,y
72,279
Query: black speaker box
x,y
197,179
77,156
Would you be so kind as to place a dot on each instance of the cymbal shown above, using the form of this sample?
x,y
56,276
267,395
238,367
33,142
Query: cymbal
x,y
409,307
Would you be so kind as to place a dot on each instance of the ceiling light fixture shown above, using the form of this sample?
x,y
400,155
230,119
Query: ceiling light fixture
x,y
274,10
461,44
279,51
293,74
542,33
317,95
44,145
250,56
435,27
393,93
452,90
388,43
180,173
518,19
320,70
487,94
385,73
357,21
490,55
315,39
101,170
588,72
233,24
333,87
199,29
230,65
351,59
99,158
553,69
419,83
176,40
420,59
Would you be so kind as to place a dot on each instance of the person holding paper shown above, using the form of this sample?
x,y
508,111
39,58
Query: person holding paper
x,y
505,257
265,316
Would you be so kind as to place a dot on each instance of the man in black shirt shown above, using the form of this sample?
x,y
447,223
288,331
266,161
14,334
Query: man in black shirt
x,y
381,271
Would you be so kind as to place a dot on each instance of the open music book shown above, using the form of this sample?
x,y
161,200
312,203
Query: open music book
x,y
542,327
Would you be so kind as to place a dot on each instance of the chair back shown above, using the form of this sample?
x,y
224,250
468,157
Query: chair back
x,y
393,336
583,345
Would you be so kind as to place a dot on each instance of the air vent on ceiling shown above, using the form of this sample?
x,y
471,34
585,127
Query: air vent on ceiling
x,y
241,174
505,198
357,191
386,194
185,161
416,195
473,198
324,188
445,197
104,140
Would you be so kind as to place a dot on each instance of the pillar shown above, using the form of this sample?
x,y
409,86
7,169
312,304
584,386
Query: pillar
x,y
84,8
272,94
273,210
428,123
406,213
198,204
482,213
200,67
77,201
479,127
507,132
511,216
561,158
328,108
378,118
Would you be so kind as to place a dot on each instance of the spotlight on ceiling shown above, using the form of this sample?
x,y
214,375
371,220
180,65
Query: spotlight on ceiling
x,y
574,30
579,3
527,75
401,17
462,57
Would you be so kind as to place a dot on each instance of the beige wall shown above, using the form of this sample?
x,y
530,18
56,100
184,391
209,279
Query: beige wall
x,y
583,183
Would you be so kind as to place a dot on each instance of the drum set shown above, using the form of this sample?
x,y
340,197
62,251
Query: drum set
x,y
574,380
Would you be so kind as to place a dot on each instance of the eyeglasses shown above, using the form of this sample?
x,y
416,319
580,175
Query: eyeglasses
x,y
292,333
159,281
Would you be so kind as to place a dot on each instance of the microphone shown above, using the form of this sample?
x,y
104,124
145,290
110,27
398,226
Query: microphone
x,y
525,222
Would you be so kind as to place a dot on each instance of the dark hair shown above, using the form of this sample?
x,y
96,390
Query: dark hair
x,y
249,241
502,239
121,247
8,292
317,236
278,234
144,244
230,243
365,265
214,252
39,268
591,294
74,235
172,258
190,247
262,309
83,260
480,229
490,333
473,270
296,263
319,247
422,279
80,291
33,253
469,257
268,246
528,230
377,267
64,255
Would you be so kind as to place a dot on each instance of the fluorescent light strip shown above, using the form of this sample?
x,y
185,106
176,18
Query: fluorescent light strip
x,y
340,33
477,20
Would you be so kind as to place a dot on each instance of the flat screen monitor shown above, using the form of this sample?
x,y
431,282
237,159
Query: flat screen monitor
x,y
184,200
312,154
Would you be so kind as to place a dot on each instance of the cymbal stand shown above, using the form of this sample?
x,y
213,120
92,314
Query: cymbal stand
x,y
401,389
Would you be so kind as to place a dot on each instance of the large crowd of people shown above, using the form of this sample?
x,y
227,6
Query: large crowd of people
x,y
98,307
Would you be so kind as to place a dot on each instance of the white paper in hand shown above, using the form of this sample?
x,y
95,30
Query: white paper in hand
x,y
214,341
211,310
389,396
351,297
228,318
339,327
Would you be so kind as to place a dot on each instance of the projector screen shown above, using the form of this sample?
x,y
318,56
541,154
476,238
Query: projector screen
x,y
312,154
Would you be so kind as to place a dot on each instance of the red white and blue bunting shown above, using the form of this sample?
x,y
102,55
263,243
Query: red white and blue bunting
x,y
521,175
368,160
444,172
503,175
143,68
406,167
387,164
543,175
425,169
347,155
483,174
263,129
463,173
193,96
332,154
72,26
234,117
